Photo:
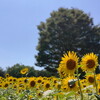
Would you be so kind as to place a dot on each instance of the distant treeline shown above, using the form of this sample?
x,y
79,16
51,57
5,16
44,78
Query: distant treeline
x,y
15,71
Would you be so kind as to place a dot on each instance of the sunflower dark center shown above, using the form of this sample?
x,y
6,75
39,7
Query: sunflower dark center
x,y
15,86
10,80
42,82
71,64
25,80
91,79
71,85
32,83
62,73
99,90
6,85
39,94
64,88
14,80
90,63
39,81
24,71
84,85
47,85
7,75
55,81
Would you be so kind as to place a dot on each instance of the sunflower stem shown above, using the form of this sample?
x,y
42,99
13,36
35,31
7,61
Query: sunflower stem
x,y
95,83
75,97
57,98
79,86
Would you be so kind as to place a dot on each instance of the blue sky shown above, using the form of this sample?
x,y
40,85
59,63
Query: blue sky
x,y
18,26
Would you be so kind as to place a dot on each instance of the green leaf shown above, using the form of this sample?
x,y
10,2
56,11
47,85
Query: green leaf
x,y
22,95
3,98
27,91
89,94
70,94
80,66
97,96
89,73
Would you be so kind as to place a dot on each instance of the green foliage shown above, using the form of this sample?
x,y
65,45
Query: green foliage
x,y
15,70
2,72
66,30
43,73
97,96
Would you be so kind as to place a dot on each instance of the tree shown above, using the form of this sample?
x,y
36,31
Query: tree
x,y
66,30
43,73
2,72
15,70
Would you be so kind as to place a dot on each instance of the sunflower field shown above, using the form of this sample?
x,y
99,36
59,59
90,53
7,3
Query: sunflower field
x,y
67,87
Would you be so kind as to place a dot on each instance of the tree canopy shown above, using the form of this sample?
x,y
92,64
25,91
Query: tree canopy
x,y
2,72
66,30
15,71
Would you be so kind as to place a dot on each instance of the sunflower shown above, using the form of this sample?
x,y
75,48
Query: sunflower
x,y
47,85
32,83
0,85
89,62
70,83
14,86
83,83
25,80
10,79
7,75
99,90
98,77
1,78
5,85
39,79
61,72
24,71
39,94
58,86
90,79
20,89
20,80
54,80
69,63
21,85
64,88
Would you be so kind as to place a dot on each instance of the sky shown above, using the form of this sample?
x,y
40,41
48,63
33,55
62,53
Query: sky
x,y
18,26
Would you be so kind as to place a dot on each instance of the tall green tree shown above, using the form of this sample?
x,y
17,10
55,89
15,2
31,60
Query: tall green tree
x,y
66,30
